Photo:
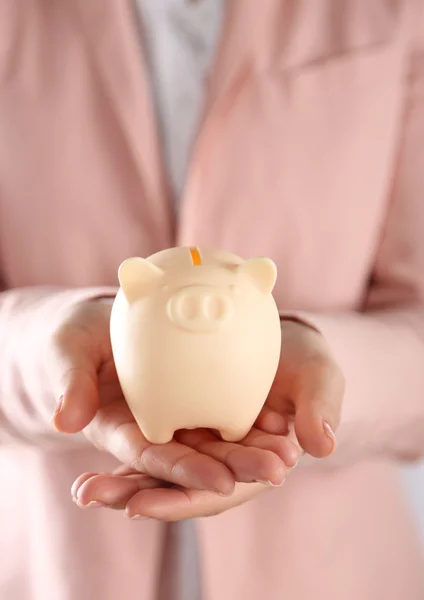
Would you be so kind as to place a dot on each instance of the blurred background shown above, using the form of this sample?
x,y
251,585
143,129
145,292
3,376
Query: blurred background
x,y
292,129
413,476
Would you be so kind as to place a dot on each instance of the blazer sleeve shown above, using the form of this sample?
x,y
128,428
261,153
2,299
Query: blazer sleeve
x,y
26,399
381,350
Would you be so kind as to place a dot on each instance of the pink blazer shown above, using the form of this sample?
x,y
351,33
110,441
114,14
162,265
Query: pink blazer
x,y
310,151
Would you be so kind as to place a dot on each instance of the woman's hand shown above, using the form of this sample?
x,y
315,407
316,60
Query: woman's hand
x,y
304,403
143,497
308,389
81,370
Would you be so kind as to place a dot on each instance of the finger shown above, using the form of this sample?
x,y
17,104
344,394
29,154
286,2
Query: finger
x,y
121,470
73,362
282,446
248,464
125,470
185,466
318,404
271,421
113,491
114,429
78,483
178,503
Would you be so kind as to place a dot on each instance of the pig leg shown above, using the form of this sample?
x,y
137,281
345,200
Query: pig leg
x,y
159,436
233,435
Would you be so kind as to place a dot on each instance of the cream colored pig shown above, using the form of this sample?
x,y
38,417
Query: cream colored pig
x,y
196,340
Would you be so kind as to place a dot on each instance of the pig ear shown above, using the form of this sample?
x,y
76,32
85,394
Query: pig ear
x,y
136,276
263,272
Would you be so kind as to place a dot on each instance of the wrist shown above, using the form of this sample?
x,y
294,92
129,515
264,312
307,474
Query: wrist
x,y
298,319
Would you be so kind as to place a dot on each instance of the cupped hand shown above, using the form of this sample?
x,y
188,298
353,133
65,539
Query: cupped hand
x,y
308,389
304,403
81,370
143,497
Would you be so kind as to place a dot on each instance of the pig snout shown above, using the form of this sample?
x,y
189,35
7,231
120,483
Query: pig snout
x,y
200,308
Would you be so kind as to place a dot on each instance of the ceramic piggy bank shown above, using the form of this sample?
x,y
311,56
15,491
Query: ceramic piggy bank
x,y
196,340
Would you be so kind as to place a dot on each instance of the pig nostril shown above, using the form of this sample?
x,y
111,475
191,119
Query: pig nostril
x,y
188,307
213,308
199,309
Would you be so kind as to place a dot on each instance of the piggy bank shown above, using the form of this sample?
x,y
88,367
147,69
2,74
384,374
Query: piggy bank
x,y
196,340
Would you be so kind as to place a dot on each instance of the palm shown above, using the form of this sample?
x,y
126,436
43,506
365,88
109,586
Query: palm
x,y
198,458
199,461
186,472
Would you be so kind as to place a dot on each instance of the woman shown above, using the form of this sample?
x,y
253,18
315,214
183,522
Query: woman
x,y
308,151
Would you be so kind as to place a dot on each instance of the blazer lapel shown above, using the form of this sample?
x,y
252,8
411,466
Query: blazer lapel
x,y
115,44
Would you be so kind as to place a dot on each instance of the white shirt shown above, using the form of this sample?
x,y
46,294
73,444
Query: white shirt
x,y
180,37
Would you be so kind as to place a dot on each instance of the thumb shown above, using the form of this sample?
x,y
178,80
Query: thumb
x,y
318,403
73,367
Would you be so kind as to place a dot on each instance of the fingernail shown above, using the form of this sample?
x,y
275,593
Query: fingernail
x,y
92,504
293,457
137,517
223,494
270,484
59,407
330,433
225,488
